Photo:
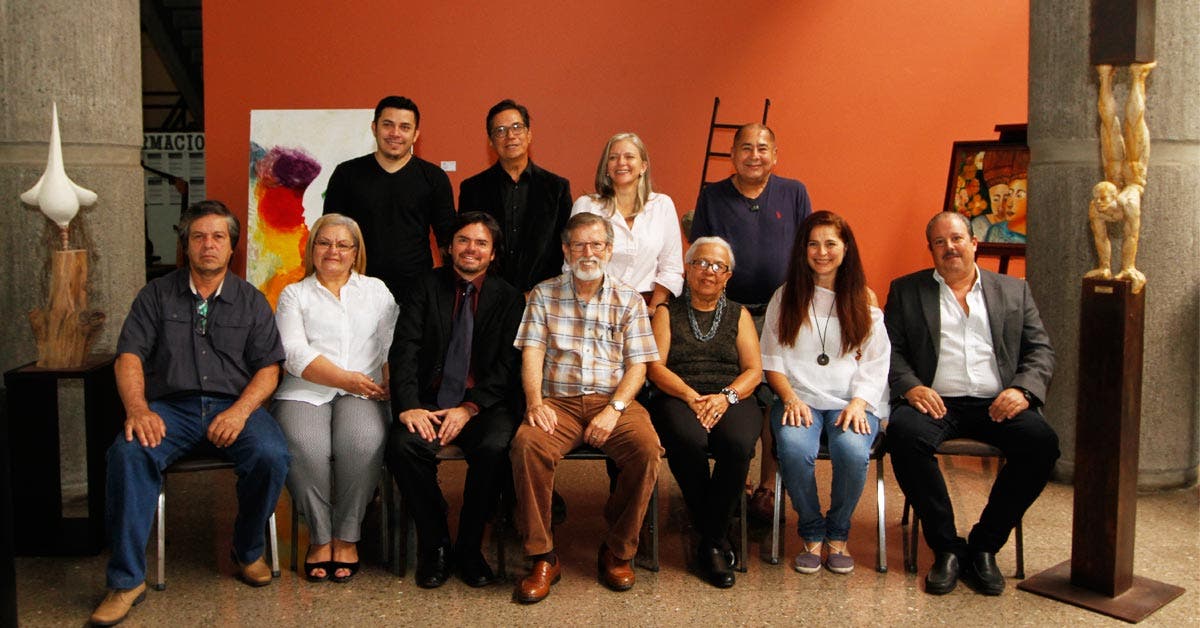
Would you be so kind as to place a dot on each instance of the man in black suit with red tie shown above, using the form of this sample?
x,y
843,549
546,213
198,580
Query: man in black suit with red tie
x,y
453,370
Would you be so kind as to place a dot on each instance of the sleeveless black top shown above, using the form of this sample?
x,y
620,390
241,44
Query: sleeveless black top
x,y
706,366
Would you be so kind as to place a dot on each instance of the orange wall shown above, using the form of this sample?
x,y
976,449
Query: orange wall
x,y
867,96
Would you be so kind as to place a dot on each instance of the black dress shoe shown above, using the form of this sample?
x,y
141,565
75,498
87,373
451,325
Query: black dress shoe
x,y
983,575
943,576
433,567
474,570
716,566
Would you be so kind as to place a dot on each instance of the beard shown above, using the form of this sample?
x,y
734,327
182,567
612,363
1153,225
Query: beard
x,y
591,274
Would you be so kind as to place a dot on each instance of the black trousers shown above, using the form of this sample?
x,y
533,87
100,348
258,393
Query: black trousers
x,y
710,498
413,462
1030,448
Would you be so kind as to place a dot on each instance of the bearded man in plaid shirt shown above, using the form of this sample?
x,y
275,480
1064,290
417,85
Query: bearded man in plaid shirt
x,y
585,340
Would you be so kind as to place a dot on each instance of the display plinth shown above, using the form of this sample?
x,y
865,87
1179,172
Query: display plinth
x,y
40,527
1099,576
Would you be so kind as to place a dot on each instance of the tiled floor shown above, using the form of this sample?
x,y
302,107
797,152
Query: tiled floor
x,y
202,592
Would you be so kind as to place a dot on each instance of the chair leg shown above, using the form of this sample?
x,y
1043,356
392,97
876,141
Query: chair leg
x,y
273,545
777,521
400,538
385,496
499,530
161,583
745,535
1020,552
295,536
881,565
651,525
908,535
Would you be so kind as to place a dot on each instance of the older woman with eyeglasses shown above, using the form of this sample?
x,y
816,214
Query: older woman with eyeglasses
x,y
336,326
647,244
708,369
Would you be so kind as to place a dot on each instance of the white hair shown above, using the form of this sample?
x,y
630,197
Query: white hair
x,y
714,240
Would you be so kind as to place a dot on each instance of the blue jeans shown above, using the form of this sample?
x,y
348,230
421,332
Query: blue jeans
x,y
850,454
261,458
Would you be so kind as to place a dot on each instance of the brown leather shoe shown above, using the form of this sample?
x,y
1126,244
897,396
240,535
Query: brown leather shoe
x,y
255,574
615,573
536,586
115,606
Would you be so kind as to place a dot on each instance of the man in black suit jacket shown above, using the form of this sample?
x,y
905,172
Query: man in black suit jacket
x,y
531,204
436,407
970,358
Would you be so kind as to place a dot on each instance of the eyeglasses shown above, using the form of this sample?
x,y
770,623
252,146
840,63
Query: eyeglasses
x,y
579,247
340,247
716,267
517,129
201,326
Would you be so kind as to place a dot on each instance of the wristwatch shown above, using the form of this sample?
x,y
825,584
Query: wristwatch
x,y
731,395
619,406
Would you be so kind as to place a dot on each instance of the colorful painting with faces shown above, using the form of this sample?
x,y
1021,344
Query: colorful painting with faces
x,y
988,185
292,154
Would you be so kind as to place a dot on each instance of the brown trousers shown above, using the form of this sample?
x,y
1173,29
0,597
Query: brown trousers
x,y
633,445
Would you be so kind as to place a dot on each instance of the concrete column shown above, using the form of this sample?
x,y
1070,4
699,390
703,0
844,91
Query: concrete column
x,y
1065,164
86,56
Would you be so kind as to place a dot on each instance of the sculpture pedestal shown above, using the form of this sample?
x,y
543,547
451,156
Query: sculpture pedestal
x,y
65,329
1099,576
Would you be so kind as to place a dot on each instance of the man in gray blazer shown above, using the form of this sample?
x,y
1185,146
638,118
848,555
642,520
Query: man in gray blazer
x,y
970,358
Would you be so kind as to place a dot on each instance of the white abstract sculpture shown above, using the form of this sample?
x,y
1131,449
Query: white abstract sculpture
x,y
55,193
66,328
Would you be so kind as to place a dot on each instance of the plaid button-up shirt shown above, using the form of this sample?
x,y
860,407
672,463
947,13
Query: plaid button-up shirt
x,y
588,343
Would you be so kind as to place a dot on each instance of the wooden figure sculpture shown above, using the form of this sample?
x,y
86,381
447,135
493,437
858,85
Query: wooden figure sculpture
x,y
1126,153
66,329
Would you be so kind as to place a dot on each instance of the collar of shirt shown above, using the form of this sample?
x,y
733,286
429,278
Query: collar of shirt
x,y
216,293
459,280
601,292
975,287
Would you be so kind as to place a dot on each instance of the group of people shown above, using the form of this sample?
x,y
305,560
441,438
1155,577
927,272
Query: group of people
x,y
554,326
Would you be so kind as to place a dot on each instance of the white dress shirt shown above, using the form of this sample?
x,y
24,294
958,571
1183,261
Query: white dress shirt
x,y
354,332
861,373
966,364
648,253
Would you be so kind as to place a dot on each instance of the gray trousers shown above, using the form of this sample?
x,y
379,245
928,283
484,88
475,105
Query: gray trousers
x,y
337,456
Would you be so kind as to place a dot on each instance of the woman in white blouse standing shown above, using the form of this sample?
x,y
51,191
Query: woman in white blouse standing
x,y
647,252
336,326
826,354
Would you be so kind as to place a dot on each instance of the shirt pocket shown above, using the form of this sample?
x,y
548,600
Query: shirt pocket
x,y
177,325
230,335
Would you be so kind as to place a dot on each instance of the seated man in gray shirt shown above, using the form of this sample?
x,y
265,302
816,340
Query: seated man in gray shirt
x,y
197,357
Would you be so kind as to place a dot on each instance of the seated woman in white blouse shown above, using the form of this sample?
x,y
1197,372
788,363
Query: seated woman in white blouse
x,y
336,326
826,354
647,253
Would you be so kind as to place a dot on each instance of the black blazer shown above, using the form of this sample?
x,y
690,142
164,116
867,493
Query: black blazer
x,y
422,335
532,248
914,323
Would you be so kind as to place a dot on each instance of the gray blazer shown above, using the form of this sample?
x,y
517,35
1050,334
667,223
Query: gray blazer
x,y
913,319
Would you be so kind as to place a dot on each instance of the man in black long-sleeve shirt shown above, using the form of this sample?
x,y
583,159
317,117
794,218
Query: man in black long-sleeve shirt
x,y
395,196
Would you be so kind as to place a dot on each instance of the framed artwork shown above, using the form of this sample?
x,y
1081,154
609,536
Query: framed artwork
x,y
987,184
292,154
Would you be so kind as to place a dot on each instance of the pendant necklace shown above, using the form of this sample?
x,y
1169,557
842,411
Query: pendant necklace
x,y
716,321
822,359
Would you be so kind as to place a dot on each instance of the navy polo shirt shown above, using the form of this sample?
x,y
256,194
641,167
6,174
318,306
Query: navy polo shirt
x,y
240,337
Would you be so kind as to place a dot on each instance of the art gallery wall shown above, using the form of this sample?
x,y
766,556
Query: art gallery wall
x,y
867,96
